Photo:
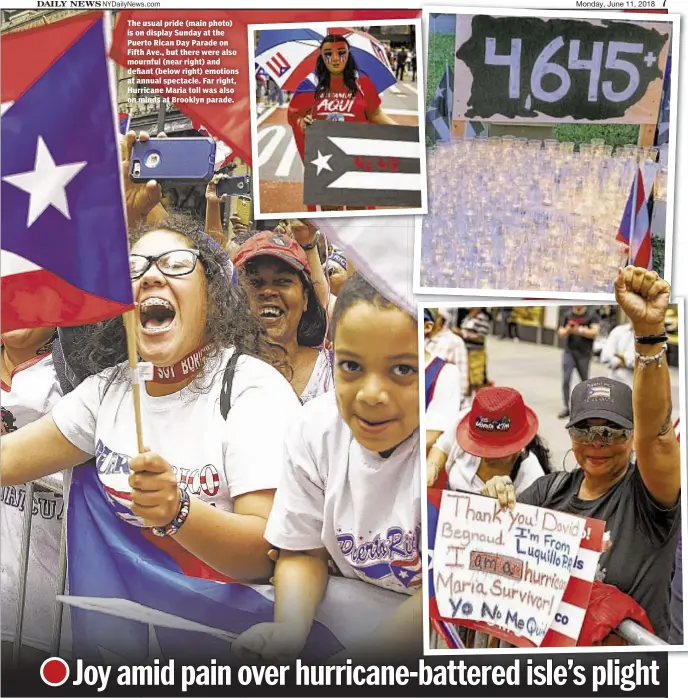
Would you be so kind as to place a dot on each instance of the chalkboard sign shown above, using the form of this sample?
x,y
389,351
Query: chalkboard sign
x,y
529,69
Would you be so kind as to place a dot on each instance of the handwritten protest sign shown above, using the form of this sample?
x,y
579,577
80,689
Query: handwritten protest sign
x,y
508,571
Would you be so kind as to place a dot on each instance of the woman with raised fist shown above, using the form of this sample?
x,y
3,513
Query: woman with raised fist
x,y
630,471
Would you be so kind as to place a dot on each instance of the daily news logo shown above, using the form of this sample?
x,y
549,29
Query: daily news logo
x,y
77,4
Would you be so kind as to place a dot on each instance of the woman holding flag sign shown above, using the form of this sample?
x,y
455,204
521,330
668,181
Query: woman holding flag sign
x,y
340,93
625,444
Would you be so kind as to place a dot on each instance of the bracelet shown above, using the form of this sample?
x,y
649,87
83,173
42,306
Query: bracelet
x,y
647,360
313,244
178,520
652,339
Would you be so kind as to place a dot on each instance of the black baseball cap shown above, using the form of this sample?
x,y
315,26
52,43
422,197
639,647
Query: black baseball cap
x,y
602,398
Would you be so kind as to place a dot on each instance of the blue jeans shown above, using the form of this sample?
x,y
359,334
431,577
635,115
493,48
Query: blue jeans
x,y
569,362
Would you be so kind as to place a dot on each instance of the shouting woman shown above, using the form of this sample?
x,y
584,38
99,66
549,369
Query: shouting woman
x,y
205,484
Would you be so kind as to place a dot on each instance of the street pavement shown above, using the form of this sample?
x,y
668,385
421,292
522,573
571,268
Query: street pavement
x,y
535,371
279,167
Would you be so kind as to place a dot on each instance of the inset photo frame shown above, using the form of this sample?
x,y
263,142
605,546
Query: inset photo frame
x,y
335,119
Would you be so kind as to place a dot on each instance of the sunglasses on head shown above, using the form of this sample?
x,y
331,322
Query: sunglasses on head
x,y
606,433
172,263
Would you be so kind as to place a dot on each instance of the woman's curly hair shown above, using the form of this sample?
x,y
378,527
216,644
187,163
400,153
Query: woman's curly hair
x,y
229,322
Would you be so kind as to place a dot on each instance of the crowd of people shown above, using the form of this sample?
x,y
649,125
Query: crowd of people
x,y
623,439
302,380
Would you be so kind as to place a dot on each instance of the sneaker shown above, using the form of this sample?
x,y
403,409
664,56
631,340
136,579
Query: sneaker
x,y
564,414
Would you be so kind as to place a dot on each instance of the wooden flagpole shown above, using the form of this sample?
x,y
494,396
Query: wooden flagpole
x,y
130,327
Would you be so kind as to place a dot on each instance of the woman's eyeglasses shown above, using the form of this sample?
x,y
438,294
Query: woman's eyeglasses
x,y
172,263
606,434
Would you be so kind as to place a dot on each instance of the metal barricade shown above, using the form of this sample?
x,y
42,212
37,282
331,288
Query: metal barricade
x,y
42,485
628,630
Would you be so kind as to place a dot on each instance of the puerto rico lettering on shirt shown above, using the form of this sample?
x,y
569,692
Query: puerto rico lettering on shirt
x,y
390,560
204,481
48,506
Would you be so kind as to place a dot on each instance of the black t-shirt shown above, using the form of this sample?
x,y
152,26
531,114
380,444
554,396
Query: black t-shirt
x,y
643,535
575,343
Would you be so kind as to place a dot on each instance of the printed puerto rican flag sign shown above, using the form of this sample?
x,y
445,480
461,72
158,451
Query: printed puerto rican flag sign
x,y
357,164
570,615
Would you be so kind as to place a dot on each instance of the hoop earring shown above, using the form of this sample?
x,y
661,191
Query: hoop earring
x,y
563,465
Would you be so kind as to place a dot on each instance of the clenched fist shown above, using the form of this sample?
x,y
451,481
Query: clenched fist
x,y
644,297
155,495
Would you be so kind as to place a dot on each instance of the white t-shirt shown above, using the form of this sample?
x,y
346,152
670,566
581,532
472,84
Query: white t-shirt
x,y
462,467
33,393
621,340
216,460
322,377
364,509
446,398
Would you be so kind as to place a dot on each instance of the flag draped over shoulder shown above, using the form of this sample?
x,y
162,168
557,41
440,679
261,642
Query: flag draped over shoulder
x,y
111,559
64,241
438,118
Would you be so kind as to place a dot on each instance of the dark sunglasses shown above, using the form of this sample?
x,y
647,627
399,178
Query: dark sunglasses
x,y
172,263
606,434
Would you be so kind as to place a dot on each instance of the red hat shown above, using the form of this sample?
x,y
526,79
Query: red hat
x,y
271,244
498,425
608,607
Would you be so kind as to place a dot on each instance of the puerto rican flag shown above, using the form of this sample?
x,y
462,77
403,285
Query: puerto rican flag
x,y
64,237
124,120
261,75
573,604
223,153
113,563
634,230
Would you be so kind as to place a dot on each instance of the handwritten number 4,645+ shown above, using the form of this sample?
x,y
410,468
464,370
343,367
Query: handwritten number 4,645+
x,y
607,57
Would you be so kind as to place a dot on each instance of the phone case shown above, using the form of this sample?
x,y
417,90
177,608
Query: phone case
x,y
182,160
237,185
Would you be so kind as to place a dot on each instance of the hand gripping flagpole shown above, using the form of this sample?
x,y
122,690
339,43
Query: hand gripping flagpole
x,y
130,327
